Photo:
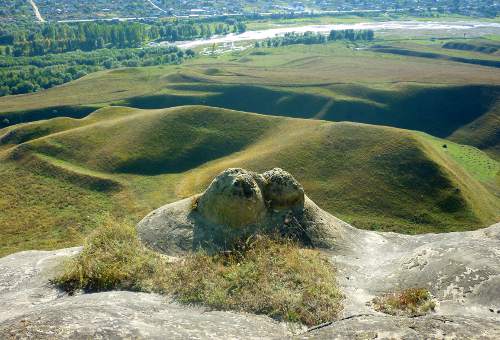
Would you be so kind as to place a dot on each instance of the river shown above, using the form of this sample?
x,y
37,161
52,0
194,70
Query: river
x,y
451,28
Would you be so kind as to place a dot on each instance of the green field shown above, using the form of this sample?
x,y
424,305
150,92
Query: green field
x,y
363,131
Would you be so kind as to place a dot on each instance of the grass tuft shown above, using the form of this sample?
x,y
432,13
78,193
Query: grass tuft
x,y
263,275
410,302
112,258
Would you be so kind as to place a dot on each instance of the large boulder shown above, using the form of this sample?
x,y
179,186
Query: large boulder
x,y
236,205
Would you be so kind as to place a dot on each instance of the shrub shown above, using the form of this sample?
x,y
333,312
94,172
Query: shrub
x,y
410,302
263,275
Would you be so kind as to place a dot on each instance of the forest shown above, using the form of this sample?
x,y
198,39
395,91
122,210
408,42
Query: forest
x,y
49,38
30,74
40,56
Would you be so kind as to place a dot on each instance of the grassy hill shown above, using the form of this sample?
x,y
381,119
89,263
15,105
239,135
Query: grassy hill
x,y
61,176
330,82
122,142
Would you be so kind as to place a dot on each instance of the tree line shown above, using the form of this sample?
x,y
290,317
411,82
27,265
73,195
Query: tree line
x,y
30,74
89,36
317,38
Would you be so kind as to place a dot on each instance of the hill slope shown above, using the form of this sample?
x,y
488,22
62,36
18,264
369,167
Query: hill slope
x,y
125,162
330,82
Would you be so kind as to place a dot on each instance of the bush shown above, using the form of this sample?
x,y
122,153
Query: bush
x,y
262,276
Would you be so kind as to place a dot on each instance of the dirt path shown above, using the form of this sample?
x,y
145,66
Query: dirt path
x,y
156,6
37,12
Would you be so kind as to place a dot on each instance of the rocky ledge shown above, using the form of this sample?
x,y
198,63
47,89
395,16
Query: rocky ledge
x,y
461,270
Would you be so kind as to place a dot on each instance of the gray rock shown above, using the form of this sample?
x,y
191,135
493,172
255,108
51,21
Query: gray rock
x,y
461,270
426,327
233,200
282,190
368,264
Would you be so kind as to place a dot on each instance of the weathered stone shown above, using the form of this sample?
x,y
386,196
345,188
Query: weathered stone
x,y
233,199
282,190
237,204
427,327
462,270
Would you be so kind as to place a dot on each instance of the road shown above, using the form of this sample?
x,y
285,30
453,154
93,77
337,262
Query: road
x,y
37,12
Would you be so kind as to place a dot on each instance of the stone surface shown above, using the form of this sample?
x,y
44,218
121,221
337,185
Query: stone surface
x,y
282,190
460,269
233,199
427,327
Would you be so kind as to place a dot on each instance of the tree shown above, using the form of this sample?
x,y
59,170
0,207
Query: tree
x,y
4,90
25,87
241,27
108,63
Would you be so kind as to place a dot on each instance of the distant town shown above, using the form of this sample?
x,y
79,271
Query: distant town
x,y
73,10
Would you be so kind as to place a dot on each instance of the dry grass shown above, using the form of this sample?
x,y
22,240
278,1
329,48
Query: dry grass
x,y
410,302
263,275
267,277
112,258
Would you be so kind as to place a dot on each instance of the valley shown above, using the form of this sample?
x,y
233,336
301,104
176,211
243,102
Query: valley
x,y
249,169
385,142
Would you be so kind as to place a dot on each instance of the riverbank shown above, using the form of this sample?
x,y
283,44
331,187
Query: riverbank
x,y
414,27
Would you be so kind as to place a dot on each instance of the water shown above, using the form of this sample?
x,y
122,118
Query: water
x,y
458,28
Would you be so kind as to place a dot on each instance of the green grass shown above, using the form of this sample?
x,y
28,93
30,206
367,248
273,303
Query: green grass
x,y
307,65
263,276
130,161
476,162
438,46
127,162
40,211
410,302
331,82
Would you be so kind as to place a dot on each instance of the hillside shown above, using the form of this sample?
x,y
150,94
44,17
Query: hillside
x,y
330,82
64,175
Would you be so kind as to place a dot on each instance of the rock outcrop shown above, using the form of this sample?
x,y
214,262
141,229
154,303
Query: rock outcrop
x,y
237,204
461,270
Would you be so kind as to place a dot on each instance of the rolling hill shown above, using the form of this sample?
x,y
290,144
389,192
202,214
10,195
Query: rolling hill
x,y
61,176
331,82
385,142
